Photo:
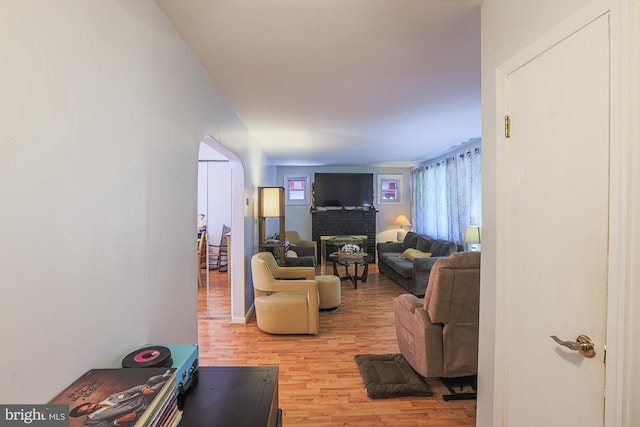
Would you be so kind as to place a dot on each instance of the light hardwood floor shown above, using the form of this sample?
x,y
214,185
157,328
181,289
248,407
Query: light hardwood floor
x,y
319,381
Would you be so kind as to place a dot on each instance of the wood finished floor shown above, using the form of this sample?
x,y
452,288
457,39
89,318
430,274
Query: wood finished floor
x,y
319,381
219,295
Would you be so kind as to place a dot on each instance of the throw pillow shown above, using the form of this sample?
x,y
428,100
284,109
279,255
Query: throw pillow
x,y
411,254
276,239
291,254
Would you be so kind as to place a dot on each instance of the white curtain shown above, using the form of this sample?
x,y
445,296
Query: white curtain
x,y
446,193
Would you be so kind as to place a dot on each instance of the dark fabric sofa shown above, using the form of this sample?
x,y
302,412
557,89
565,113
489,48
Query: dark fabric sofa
x,y
413,275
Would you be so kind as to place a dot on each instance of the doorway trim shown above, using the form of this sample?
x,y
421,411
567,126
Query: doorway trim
x,y
237,259
620,207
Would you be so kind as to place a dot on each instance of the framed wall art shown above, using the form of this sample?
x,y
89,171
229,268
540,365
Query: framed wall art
x,y
389,189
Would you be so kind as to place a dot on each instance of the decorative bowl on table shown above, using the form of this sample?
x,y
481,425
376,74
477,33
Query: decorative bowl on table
x,y
350,252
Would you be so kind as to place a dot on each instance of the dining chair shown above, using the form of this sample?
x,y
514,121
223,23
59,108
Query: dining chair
x,y
218,254
202,256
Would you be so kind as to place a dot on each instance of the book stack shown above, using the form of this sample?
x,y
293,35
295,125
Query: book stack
x,y
136,397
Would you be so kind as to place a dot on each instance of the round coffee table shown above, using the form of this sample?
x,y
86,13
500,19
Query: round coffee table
x,y
356,262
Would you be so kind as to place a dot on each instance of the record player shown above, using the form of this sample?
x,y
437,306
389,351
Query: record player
x,y
183,357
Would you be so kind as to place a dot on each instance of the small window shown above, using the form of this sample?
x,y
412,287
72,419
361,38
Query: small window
x,y
297,189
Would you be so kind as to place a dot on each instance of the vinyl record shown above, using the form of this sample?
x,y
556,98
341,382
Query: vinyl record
x,y
147,357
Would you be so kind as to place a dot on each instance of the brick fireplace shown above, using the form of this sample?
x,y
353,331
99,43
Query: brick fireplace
x,y
341,222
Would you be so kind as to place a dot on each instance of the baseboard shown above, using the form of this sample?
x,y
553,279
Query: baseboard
x,y
248,315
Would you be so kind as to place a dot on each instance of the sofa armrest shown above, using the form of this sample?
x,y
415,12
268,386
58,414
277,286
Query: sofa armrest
x,y
422,269
424,264
389,247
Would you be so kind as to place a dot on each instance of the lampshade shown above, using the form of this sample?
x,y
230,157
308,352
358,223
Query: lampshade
x,y
271,201
473,234
401,220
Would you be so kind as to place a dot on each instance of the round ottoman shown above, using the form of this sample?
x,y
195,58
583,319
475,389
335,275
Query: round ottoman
x,y
329,291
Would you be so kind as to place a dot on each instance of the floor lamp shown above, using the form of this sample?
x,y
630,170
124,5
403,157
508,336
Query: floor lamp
x,y
271,205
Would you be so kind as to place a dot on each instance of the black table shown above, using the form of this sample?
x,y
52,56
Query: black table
x,y
239,396
364,262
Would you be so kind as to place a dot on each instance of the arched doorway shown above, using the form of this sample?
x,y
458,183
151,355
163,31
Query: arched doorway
x,y
231,167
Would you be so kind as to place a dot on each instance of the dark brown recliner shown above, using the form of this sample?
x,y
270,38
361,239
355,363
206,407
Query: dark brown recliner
x,y
438,335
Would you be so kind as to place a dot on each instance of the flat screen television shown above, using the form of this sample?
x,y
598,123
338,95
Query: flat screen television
x,y
343,189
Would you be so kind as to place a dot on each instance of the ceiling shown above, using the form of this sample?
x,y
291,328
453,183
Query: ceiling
x,y
342,82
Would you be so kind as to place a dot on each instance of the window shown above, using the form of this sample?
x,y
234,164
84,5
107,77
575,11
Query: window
x,y
297,189
389,188
447,193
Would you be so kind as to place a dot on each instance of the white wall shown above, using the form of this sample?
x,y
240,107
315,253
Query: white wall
x,y
214,196
298,217
631,409
103,109
508,27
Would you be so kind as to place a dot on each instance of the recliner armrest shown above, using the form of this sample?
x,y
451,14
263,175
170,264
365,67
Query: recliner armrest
x,y
409,302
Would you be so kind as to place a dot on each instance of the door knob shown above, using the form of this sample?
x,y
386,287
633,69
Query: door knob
x,y
583,344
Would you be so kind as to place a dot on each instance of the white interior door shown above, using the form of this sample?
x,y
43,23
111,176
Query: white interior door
x,y
556,234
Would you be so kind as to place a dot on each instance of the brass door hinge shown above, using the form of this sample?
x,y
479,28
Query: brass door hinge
x,y
507,127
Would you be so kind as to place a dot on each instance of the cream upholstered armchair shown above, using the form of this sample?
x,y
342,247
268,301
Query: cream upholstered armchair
x,y
286,298
295,240
438,335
